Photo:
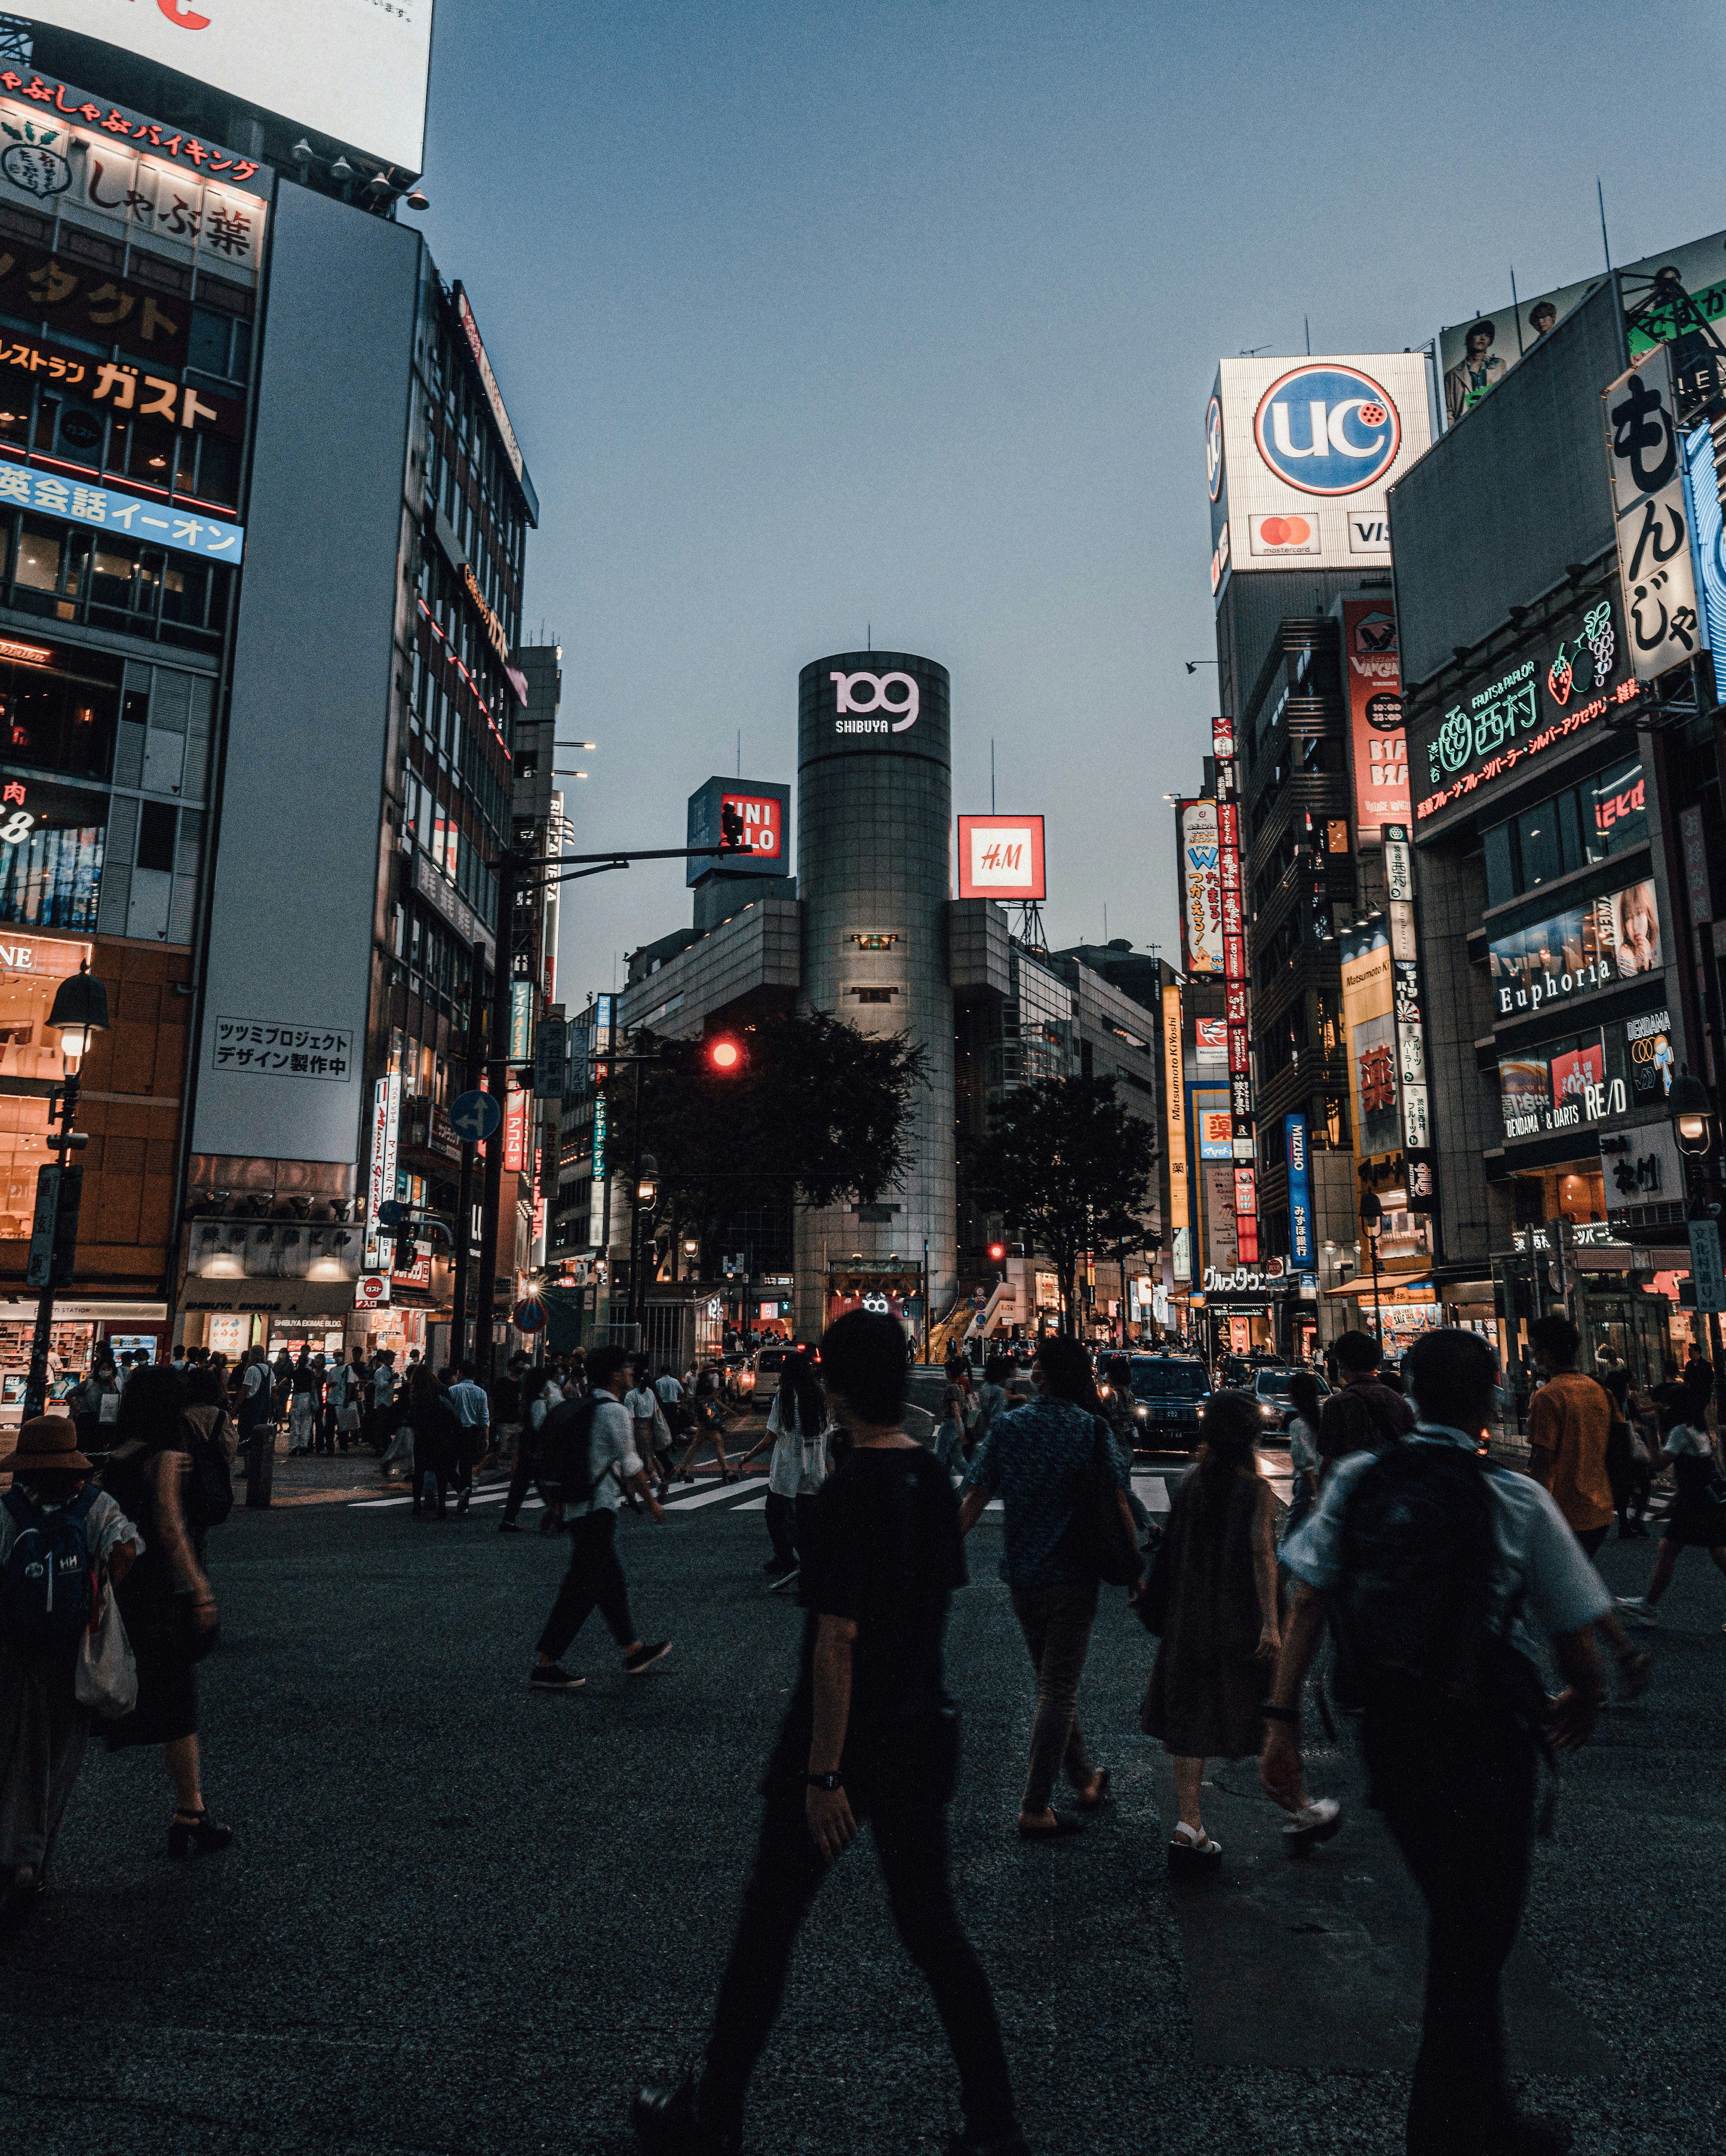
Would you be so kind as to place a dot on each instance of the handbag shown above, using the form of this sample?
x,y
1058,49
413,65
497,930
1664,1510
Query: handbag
x,y
347,1416
106,1677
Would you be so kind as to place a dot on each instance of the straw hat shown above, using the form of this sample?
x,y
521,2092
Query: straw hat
x,y
46,1443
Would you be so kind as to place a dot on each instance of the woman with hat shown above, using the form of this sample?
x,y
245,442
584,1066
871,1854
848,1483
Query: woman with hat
x,y
42,1728
169,1607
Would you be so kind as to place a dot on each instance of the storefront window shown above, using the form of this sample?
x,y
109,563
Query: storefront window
x,y
31,969
58,706
51,873
1597,821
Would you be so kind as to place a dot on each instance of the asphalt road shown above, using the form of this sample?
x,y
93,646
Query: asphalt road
x,y
462,1918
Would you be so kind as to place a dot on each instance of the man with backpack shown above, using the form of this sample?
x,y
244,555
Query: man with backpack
x,y
1432,1559
587,1454
1364,1414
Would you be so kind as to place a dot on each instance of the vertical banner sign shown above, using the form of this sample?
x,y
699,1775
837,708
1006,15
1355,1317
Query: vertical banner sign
x,y
1201,919
550,1053
515,1131
1405,990
1646,461
1705,1266
1174,1096
381,1173
1228,826
1377,745
522,998
1368,1016
1300,1190
598,1205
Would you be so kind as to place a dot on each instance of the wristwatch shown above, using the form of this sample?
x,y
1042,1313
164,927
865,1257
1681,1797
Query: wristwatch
x,y
828,1782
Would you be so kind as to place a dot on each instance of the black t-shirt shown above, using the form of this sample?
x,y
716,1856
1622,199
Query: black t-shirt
x,y
879,1543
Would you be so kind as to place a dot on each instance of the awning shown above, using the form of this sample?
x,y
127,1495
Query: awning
x,y
1393,1287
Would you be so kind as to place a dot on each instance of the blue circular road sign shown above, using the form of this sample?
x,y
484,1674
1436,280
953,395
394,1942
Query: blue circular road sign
x,y
476,1116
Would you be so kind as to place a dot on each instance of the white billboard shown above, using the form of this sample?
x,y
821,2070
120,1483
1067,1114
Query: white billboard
x,y
1299,454
353,70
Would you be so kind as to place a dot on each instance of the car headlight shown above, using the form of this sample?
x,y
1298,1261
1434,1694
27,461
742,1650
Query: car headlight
x,y
1142,1412
1270,1414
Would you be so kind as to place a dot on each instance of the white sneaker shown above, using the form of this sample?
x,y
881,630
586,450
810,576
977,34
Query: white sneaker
x,y
1639,1610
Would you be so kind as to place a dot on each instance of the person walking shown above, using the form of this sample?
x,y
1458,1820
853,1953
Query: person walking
x,y
1038,1458
167,1600
1215,1592
991,1396
538,1393
652,1433
1364,1414
381,1422
1435,1560
1303,1453
589,1451
1570,1426
1697,1518
438,1440
797,1432
870,1733
51,1511
472,1406
709,1427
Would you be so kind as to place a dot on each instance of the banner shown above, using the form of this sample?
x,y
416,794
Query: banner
x,y
1201,919
1300,1190
1174,1094
1367,1015
1377,745
1576,953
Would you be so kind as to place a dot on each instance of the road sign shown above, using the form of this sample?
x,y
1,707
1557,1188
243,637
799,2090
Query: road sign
x,y
389,1213
530,1315
476,1116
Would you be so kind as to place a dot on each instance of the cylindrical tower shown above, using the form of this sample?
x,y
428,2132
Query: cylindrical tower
x,y
874,866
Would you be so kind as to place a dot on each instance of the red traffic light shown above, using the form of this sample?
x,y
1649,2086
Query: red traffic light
x,y
997,1251
724,1054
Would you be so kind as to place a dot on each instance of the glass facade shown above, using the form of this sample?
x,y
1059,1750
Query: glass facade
x,y
1597,820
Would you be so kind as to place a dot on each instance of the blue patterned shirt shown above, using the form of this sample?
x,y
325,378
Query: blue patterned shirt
x,y
1035,1458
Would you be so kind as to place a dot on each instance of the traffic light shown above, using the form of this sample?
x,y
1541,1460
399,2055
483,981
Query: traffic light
x,y
997,1253
724,1055
730,829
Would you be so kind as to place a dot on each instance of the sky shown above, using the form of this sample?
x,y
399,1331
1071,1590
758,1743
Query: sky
x,y
895,321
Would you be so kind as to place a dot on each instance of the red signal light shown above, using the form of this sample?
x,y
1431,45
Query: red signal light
x,y
725,1055
997,1251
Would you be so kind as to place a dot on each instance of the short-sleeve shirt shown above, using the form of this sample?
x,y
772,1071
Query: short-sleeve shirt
x,y
1571,1417
104,1524
1541,1566
1035,1458
879,1543
612,1457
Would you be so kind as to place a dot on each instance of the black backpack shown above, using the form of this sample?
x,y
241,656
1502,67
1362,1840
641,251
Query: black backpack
x,y
49,1578
562,1450
1413,1607
208,1493
1096,1536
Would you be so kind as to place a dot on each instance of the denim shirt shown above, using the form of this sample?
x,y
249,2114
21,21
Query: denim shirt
x,y
1035,1457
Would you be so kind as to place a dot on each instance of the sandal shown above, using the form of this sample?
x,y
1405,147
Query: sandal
x,y
1099,1798
1190,1851
1318,1821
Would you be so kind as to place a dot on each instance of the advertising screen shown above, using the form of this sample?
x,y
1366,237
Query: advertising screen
x,y
1367,1015
1298,455
1201,919
1174,1093
1475,357
349,69
1584,948
1377,741
1002,857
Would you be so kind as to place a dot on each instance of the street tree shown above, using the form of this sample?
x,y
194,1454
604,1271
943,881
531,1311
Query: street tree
x,y
1068,1168
816,1112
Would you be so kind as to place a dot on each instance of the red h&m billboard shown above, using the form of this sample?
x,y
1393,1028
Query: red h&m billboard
x,y
1002,857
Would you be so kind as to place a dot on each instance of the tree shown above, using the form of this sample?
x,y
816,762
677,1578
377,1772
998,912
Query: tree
x,y
820,1112
1068,1168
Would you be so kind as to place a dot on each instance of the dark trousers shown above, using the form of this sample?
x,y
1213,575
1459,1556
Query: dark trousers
x,y
594,1581
911,1848
1057,1621
1458,1795
521,1474
781,1527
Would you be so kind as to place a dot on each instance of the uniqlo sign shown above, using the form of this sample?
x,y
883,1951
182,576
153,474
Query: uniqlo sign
x,y
1002,857
763,823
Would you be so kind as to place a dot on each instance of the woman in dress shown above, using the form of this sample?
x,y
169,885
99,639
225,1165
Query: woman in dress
x,y
43,1726
796,1429
166,1599
1216,1585
709,1410
1697,1518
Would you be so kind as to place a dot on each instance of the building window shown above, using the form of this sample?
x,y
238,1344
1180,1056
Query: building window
x,y
873,995
1596,821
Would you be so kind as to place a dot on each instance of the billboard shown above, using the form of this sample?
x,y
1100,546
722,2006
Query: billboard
x,y
764,809
1002,857
1201,918
1377,744
1644,460
1301,1245
1475,357
1174,1094
1299,454
1585,948
349,69
1368,1016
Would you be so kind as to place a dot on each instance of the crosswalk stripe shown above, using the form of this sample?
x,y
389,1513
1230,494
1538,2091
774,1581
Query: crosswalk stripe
x,y
701,1497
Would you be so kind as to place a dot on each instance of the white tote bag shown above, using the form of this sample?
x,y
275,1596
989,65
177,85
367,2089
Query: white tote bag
x,y
107,1678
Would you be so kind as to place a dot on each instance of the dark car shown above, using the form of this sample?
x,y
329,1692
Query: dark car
x,y
1269,1384
1168,1395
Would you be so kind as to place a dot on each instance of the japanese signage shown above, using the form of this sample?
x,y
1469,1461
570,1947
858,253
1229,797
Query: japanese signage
x,y
1368,1017
1474,358
283,1052
516,1106
763,808
1173,1095
1587,948
1002,857
1210,1043
351,70
1236,1012
1377,742
371,1292
1705,1271
1405,988
1641,1166
1298,459
1707,537
1544,1091
494,395
1646,461
1422,1181
1300,1190
551,1057
1488,733
1649,1056
122,387
1201,919
522,1000
381,1169
112,509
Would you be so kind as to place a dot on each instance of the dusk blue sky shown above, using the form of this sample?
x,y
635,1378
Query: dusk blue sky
x,y
900,317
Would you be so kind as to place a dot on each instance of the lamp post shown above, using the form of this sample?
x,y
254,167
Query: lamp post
x,y
1371,1213
80,1012
1691,1111
646,1190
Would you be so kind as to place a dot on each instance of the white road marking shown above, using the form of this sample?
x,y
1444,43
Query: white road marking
x,y
701,1497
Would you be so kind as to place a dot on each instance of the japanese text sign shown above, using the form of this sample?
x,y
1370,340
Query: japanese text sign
x,y
283,1052
1645,459
111,510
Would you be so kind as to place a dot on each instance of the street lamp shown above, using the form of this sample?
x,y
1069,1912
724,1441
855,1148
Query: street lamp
x,y
1693,1114
1691,1111
1371,1213
647,1191
80,1013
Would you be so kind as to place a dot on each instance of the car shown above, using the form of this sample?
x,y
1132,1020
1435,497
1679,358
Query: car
x,y
1269,1386
765,1365
737,1374
1168,1396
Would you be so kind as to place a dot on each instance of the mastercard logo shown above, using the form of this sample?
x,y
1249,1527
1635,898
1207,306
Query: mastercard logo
x,y
1285,531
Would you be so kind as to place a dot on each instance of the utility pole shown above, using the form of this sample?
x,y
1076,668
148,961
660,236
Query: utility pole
x,y
461,1282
